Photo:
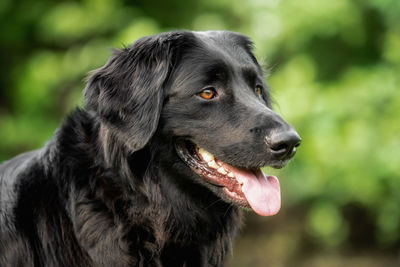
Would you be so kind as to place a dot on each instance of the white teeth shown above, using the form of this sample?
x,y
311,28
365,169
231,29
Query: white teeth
x,y
207,156
221,170
213,164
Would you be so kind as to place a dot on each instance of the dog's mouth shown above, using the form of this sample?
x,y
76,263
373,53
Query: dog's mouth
x,y
245,187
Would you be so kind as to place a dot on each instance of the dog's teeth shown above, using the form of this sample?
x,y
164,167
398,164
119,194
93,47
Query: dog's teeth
x,y
231,175
221,170
213,164
207,156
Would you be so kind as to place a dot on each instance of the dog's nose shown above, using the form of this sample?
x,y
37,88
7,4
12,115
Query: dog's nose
x,y
283,144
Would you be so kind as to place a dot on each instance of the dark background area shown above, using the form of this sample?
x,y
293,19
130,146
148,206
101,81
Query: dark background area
x,y
335,74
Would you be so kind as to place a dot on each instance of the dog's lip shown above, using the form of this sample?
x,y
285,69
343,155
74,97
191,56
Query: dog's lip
x,y
188,151
243,186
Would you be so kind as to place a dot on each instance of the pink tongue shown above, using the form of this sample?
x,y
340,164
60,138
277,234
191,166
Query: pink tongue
x,y
262,192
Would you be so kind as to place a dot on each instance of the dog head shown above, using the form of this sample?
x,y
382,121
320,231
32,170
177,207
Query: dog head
x,y
205,93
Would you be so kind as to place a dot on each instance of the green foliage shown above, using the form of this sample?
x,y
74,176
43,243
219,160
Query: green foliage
x,y
334,67
326,223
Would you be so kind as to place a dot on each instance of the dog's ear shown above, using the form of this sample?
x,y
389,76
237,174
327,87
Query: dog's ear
x,y
127,92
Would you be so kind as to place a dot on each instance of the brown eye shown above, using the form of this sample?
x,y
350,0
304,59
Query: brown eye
x,y
208,93
259,90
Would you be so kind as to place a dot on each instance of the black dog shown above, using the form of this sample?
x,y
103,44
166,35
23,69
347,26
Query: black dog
x,y
128,181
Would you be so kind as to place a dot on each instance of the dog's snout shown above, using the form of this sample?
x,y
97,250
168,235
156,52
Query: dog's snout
x,y
283,144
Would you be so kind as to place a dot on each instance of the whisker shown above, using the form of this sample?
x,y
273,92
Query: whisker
x,y
230,206
213,203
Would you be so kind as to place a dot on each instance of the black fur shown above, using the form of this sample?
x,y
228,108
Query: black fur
x,y
109,188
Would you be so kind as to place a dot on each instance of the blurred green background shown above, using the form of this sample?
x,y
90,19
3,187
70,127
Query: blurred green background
x,y
335,72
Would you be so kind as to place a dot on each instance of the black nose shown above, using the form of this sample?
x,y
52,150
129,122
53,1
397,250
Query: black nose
x,y
282,144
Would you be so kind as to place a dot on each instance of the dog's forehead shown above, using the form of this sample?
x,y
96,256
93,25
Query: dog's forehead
x,y
224,49
216,55
227,44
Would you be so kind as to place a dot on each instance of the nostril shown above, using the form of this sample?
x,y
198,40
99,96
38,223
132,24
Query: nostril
x,y
298,143
282,147
283,144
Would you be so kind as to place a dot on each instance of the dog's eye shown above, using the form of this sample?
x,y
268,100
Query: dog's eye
x,y
259,90
208,93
